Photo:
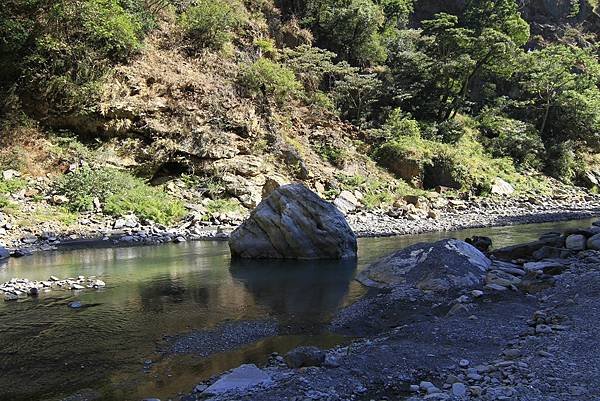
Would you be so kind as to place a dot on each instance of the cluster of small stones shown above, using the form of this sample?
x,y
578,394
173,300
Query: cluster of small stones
x,y
17,288
498,379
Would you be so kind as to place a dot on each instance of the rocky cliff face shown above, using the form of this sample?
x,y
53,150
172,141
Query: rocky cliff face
x,y
547,17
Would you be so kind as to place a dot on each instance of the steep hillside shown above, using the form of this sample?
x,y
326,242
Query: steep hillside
x,y
195,106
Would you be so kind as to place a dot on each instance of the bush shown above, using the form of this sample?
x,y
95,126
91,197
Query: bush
x,y
506,137
333,154
400,124
273,78
119,193
62,51
449,131
210,23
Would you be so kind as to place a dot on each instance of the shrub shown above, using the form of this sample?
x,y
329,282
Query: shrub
x,y
119,193
400,124
449,131
516,139
63,50
210,23
273,78
333,154
11,186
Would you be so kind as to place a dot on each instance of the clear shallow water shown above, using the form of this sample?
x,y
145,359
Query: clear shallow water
x,y
48,350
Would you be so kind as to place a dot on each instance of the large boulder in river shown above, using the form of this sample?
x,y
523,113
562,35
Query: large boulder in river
x,y
294,223
440,266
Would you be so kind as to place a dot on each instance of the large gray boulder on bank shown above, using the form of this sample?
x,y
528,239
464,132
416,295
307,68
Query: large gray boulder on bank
x,y
294,223
440,266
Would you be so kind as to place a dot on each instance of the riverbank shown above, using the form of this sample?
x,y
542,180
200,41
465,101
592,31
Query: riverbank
x,y
414,216
531,343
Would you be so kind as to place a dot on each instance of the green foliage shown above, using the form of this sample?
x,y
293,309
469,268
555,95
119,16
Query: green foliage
x,y
350,28
400,124
223,206
12,186
376,192
355,94
211,23
507,137
59,52
335,155
316,67
119,193
562,99
270,78
266,47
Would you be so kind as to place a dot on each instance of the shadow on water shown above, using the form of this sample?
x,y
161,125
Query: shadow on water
x,y
299,292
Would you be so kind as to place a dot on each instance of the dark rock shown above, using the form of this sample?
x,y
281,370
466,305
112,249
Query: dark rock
x,y
534,282
18,253
550,252
482,243
4,253
444,265
304,356
526,251
294,223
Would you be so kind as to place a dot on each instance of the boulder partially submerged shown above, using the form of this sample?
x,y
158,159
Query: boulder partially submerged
x,y
440,266
294,223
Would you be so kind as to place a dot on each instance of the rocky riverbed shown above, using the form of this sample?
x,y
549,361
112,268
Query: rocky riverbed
x,y
525,333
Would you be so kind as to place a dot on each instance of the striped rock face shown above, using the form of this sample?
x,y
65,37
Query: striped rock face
x,y
294,223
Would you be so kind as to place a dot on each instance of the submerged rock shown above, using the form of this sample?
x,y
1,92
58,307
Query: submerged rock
x,y
304,357
294,223
441,266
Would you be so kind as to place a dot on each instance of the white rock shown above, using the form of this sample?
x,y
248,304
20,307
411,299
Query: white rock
x,y
241,378
501,187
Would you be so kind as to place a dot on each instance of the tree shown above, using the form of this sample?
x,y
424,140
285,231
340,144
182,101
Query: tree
x,y
350,28
500,15
355,94
561,84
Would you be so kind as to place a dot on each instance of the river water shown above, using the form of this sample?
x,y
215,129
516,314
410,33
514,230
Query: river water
x,y
48,350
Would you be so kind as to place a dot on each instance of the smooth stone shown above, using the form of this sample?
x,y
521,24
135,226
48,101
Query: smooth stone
x,y
576,242
304,356
241,378
459,390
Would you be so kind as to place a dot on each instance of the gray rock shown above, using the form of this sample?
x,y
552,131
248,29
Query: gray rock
x,y
440,266
4,253
304,356
459,390
241,378
346,202
294,223
501,187
594,242
576,242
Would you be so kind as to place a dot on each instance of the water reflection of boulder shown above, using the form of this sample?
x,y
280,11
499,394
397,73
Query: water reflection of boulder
x,y
306,291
